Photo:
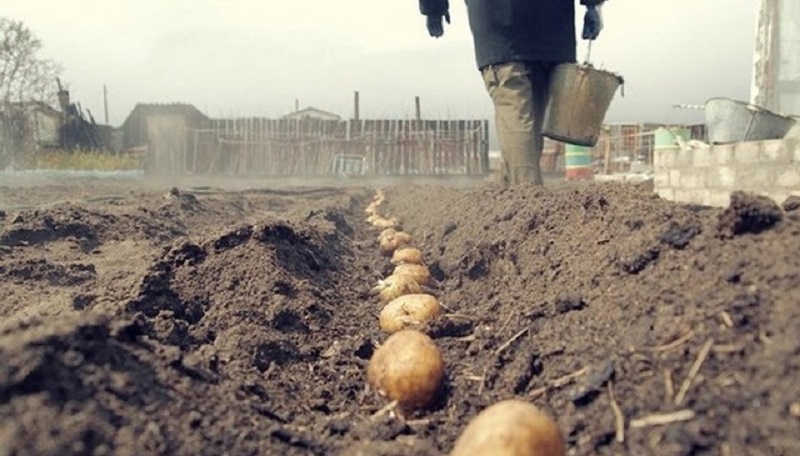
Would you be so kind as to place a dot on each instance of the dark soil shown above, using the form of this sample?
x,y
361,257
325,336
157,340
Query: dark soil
x,y
194,323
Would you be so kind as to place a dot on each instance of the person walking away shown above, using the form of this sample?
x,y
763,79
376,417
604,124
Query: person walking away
x,y
517,44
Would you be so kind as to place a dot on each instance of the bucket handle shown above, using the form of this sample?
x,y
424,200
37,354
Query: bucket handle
x,y
589,53
587,62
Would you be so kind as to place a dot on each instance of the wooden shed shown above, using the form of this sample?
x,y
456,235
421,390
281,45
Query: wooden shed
x,y
135,128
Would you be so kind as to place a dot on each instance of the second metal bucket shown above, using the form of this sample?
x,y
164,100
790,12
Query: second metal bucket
x,y
579,99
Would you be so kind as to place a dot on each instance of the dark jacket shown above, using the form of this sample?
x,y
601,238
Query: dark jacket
x,y
528,30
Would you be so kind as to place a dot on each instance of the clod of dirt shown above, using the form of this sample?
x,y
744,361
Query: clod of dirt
x,y
587,392
634,260
43,270
2,214
748,213
380,428
568,303
679,235
791,204
446,326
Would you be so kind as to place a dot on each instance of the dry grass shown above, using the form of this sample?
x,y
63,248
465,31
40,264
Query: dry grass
x,y
83,161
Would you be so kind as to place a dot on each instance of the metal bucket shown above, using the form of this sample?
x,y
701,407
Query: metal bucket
x,y
579,98
730,121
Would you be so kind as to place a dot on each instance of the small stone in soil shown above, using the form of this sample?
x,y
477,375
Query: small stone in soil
x,y
791,204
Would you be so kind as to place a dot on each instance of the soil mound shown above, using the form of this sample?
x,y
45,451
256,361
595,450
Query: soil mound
x,y
575,292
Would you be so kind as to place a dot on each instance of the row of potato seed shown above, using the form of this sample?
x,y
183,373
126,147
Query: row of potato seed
x,y
408,368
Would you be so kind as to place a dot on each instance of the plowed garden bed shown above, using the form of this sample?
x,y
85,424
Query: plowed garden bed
x,y
194,322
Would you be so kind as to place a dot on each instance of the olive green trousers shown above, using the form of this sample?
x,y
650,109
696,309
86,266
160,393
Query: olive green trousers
x,y
519,91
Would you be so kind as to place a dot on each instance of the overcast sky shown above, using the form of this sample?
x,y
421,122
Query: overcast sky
x,y
255,57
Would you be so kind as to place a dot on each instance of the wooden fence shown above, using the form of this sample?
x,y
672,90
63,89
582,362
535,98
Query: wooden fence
x,y
313,147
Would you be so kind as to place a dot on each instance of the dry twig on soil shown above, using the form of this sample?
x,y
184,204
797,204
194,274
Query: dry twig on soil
x,y
661,419
672,345
669,386
505,323
698,363
559,382
386,409
483,382
619,417
511,341
726,319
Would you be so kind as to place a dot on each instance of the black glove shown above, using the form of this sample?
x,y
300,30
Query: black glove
x,y
434,11
592,23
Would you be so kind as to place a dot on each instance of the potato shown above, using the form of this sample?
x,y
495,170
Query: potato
x,y
391,242
409,310
386,232
372,208
407,368
419,272
407,255
510,428
395,286
383,222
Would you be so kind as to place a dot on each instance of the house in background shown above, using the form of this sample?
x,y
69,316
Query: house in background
x,y
26,128
312,113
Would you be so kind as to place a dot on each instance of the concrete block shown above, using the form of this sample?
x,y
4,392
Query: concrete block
x,y
788,177
683,157
663,157
693,196
693,178
661,178
674,177
747,152
754,177
670,156
658,161
721,177
776,151
701,156
722,155
719,198
666,193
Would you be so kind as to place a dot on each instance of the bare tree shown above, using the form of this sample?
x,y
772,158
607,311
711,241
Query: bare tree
x,y
24,77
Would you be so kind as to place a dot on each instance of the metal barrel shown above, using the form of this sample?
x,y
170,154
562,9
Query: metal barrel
x,y
667,138
578,162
